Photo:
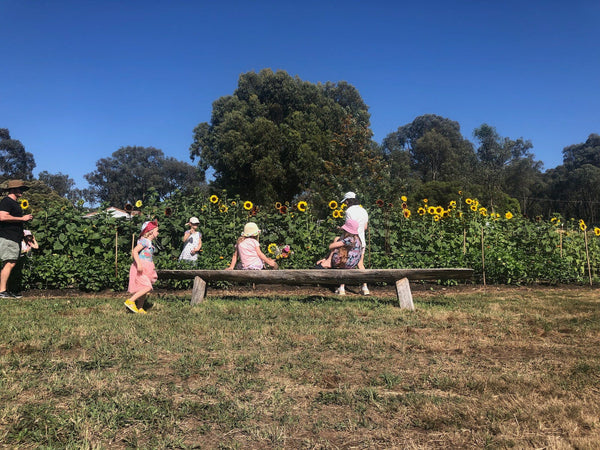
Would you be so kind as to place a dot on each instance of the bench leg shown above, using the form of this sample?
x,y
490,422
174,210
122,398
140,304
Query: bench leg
x,y
404,295
198,291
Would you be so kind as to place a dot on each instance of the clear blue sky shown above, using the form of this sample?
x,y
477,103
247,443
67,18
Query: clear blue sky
x,y
80,79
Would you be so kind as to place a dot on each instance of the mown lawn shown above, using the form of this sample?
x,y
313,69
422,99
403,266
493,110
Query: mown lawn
x,y
494,367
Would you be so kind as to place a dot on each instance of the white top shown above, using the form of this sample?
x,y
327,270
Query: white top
x,y
190,244
359,214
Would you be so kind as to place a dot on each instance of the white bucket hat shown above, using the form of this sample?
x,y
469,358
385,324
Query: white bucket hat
x,y
250,229
348,195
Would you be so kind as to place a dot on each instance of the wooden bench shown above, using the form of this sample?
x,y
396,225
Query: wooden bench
x,y
399,277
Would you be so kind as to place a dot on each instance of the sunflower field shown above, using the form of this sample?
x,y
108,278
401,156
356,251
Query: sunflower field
x,y
94,253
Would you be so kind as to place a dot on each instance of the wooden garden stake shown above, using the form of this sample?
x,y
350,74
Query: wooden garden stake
x,y
464,241
116,253
482,256
587,257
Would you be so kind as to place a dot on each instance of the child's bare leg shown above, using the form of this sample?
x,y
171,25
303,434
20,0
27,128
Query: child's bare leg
x,y
326,262
140,297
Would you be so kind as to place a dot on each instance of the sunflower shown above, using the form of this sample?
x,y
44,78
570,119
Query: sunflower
x,y
439,210
437,218
483,211
223,208
403,198
597,231
459,192
272,248
582,225
138,204
404,206
333,204
452,204
233,203
406,213
302,206
473,207
128,207
214,199
431,210
24,204
424,200
468,201
248,205
421,211
283,209
277,205
337,213
446,214
508,215
380,203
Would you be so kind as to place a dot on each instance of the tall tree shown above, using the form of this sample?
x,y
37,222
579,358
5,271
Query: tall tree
x,y
15,162
505,166
278,137
437,149
132,172
62,184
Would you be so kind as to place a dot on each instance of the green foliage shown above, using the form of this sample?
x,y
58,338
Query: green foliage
x,y
94,253
278,137
15,162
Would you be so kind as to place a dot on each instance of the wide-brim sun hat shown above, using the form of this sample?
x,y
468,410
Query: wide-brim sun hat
x,y
194,220
15,184
250,229
348,195
351,226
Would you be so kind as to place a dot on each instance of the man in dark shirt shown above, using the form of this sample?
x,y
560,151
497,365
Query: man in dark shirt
x,y
11,232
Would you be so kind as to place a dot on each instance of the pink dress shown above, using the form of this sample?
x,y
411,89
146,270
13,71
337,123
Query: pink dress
x,y
148,277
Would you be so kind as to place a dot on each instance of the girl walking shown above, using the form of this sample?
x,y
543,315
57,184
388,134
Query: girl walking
x,y
142,274
248,255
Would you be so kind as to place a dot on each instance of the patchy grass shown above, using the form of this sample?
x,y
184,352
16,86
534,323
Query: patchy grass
x,y
495,368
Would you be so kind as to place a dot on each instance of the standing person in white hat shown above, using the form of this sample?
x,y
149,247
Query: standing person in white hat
x,y
11,232
192,242
356,212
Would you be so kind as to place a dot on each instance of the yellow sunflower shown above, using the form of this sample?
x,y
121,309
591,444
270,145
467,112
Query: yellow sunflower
x,y
403,198
138,204
483,211
272,248
437,218
248,205
424,200
223,208
333,204
468,201
24,204
508,215
277,205
452,204
233,203
406,213
582,225
597,231
337,214
431,210
214,199
302,206
439,210
421,211
473,207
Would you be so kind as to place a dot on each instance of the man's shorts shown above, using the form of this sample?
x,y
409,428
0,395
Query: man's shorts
x,y
9,250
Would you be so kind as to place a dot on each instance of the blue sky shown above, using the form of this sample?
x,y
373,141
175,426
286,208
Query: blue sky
x,y
80,79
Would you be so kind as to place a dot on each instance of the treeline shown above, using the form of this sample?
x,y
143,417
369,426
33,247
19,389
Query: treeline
x,y
278,138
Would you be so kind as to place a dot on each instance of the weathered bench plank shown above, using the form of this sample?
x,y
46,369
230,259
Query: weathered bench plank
x,y
399,277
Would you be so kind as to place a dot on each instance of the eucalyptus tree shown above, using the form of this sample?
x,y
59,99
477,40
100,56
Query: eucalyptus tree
x,y
131,173
15,162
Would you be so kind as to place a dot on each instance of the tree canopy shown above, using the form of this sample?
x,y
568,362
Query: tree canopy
x,y
15,162
277,137
132,172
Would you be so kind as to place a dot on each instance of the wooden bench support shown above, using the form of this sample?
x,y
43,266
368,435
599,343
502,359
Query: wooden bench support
x,y
198,291
404,294
316,277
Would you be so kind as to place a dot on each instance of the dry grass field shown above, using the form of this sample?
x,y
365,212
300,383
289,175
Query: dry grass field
x,y
470,368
